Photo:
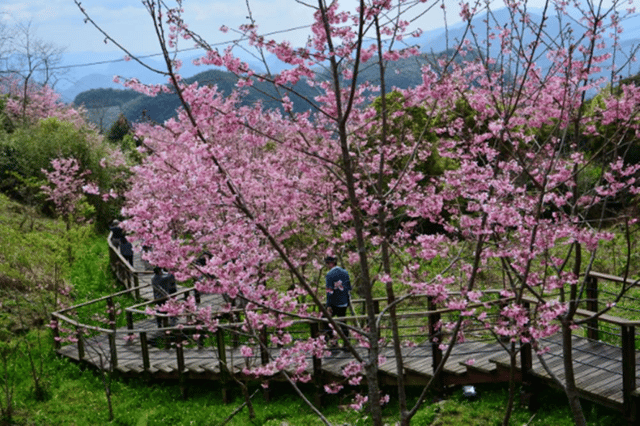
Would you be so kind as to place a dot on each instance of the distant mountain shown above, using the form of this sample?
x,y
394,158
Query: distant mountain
x,y
101,103
400,74
88,82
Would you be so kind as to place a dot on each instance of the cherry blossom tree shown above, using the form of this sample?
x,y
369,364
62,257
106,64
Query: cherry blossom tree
x,y
66,190
28,102
268,192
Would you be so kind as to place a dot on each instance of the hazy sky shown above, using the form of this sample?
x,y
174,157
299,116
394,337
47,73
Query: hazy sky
x,y
61,22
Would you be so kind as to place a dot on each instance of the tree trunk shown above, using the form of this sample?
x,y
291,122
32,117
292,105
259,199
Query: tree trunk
x,y
512,385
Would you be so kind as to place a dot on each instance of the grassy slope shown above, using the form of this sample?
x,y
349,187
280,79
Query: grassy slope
x,y
32,253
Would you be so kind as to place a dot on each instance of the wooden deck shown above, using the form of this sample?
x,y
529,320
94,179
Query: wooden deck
x,y
598,366
153,353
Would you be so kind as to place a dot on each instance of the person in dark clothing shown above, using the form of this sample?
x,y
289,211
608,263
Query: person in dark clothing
x,y
338,286
117,234
126,249
163,284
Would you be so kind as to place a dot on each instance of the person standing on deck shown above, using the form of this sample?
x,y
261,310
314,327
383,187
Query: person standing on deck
x,y
163,284
338,285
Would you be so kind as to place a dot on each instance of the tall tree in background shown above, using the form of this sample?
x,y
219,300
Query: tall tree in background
x,y
28,60
31,57
269,192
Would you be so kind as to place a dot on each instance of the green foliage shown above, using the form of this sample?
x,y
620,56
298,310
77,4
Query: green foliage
x,y
29,253
6,125
28,150
36,146
90,272
119,129
103,98
416,125
616,139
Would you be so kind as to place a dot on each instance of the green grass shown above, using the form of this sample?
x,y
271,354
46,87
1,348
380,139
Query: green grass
x,y
75,396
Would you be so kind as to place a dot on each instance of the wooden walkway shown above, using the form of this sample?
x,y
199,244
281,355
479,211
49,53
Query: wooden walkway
x,y
598,366
602,374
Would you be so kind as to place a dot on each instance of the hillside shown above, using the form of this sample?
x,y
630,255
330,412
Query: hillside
x,y
104,105
72,395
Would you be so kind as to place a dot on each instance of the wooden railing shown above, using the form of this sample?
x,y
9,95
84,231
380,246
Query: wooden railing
x,y
627,337
77,330
124,272
227,332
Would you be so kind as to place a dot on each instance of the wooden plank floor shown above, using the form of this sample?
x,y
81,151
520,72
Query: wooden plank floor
x,y
597,368
597,365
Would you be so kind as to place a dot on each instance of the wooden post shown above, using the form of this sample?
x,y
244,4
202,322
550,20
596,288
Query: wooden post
x,y
80,343
130,321
180,363
144,347
111,313
435,336
317,368
113,349
264,358
264,342
222,356
592,305
56,332
136,283
528,396
112,258
628,370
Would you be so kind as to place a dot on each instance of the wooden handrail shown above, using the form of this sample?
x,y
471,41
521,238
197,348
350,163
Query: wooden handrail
x,y
611,319
133,308
601,276
77,324
101,299
123,260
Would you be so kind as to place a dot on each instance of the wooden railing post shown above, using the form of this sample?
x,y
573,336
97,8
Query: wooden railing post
x,y
264,342
111,313
55,330
136,283
222,357
112,258
130,321
113,350
79,336
264,358
434,335
144,347
528,396
317,368
180,363
628,369
592,305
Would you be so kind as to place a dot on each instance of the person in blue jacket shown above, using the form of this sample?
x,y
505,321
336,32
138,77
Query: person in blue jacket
x,y
338,285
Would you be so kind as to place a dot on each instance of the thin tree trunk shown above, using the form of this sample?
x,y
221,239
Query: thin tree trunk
x,y
512,386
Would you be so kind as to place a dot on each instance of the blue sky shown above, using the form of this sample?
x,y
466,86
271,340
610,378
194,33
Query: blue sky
x,y
61,22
